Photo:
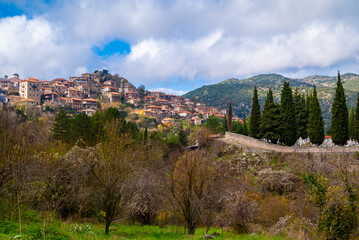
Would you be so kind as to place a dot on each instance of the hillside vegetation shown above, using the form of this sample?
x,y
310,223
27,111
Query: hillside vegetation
x,y
240,91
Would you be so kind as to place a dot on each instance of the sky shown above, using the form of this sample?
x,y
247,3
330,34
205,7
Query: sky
x,y
178,45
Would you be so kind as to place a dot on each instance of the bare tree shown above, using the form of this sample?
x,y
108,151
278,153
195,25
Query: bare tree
x,y
191,185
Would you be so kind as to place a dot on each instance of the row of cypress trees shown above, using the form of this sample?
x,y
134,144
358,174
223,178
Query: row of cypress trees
x,y
299,116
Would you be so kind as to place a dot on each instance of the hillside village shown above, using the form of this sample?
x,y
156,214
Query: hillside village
x,y
92,91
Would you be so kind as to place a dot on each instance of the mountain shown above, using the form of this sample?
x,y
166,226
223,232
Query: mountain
x,y
240,91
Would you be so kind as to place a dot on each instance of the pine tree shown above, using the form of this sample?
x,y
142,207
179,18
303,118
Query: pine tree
x,y
230,116
61,128
357,120
182,137
315,121
288,118
270,122
339,122
255,116
351,123
301,113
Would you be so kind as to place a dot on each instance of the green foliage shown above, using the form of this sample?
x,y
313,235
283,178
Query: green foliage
x,y
357,120
270,127
351,126
61,127
255,116
240,91
213,124
91,130
172,141
230,116
182,136
339,122
239,128
224,123
338,216
288,118
302,114
315,121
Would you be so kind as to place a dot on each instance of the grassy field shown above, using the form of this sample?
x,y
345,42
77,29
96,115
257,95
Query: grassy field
x,y
61,231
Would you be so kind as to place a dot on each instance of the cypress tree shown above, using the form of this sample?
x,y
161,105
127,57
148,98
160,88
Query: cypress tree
x,y
288,118
339,122
145,135
270,122
224,123
230,116
255,116
357,120
351,123
245,125
301,113
315,121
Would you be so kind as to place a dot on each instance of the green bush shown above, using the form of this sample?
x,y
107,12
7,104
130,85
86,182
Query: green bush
x,y
7,227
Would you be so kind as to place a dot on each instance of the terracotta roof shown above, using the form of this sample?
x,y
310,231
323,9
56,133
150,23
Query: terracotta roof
x,y
76,99
114,93
50,93
27,100
184,112
326,136
90,100
64,98
32,80
153,107
74,89
161,100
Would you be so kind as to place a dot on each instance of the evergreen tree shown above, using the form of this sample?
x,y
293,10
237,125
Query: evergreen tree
x,y
81,128
288,118
255,116
315,121
245,125
61,128
183,140
145,135
230,116
351,123
301,113
357,120
339,122
224,123
270,122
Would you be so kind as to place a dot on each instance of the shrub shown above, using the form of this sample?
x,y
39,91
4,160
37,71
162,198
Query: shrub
x,y
279,182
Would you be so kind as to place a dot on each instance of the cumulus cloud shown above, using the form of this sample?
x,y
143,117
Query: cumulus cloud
x,y
206,39
168,91
35,47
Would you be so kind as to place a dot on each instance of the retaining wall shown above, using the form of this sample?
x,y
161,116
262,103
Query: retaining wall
x,y
268,147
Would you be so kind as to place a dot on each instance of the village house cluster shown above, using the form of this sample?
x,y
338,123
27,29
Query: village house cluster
x,y
87,92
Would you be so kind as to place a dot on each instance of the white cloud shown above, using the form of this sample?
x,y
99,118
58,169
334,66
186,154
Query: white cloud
x,y
36,47
217,55
169,91
206,39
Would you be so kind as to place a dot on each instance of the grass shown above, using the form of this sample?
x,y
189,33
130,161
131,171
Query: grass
x,y
56,230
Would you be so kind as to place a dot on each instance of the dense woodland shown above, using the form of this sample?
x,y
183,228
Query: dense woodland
x,y
105,168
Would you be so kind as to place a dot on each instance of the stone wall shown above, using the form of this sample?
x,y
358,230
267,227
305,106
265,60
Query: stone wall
x,y
250,142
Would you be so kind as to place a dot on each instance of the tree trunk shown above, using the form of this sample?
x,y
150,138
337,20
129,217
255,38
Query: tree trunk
x,y
191,227
107,226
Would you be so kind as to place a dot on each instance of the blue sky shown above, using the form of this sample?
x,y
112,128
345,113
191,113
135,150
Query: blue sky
x,y
178,45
